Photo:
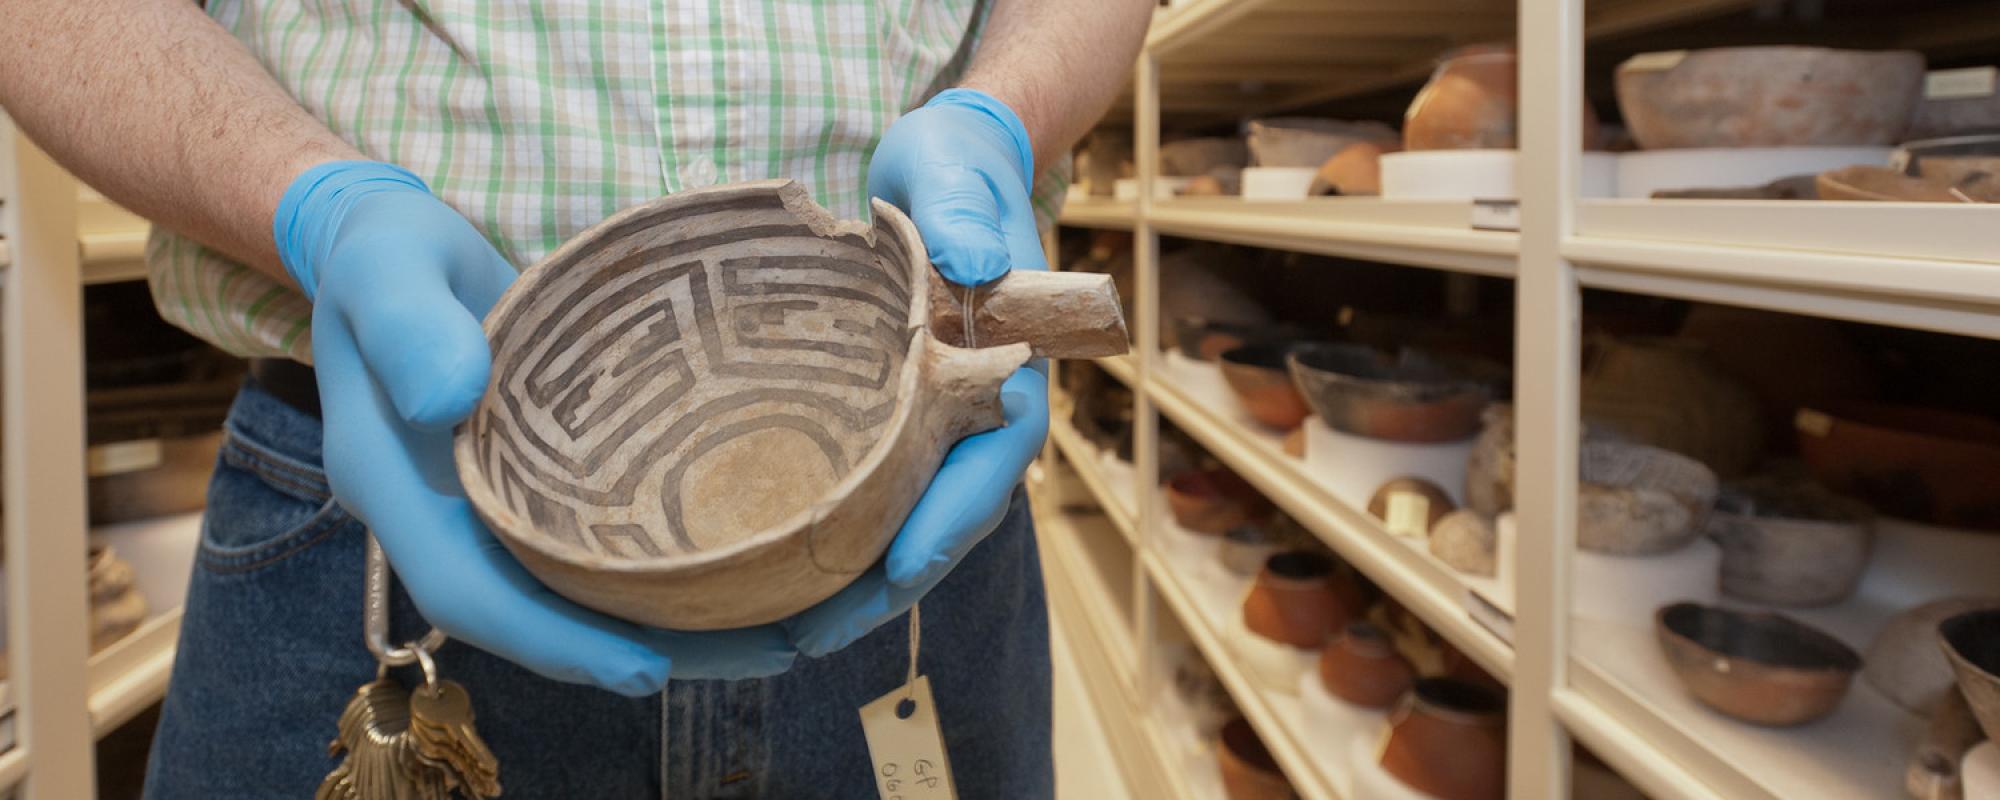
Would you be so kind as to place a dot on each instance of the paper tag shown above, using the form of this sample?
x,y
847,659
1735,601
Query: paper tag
x,y
1409,514
1496,215
1813,423
121,457
1654,62
908,751
1961,84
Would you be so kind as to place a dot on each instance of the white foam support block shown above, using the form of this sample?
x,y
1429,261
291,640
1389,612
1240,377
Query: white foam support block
x,y
1277,183
1353,467
1480,175
1335,721
1625,589
1642,173
1273,665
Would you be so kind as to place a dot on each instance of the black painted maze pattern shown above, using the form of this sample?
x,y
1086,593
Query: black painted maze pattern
x,y
715,366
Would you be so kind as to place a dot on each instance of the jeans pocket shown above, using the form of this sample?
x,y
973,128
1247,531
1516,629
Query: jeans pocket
x,y
264,507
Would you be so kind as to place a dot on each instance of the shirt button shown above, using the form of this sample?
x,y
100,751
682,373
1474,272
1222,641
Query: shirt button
x,y
698,171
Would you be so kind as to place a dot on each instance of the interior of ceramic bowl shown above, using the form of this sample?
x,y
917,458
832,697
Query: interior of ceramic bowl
x,y
1410,377
1976,637
1767,639
693,372
1261,356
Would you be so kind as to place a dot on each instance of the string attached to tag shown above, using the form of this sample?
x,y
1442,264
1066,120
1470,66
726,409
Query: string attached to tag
x,y
971,294
916,640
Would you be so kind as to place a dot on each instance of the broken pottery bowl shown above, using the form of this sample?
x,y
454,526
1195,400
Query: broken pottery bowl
x,y
1769,96
714,409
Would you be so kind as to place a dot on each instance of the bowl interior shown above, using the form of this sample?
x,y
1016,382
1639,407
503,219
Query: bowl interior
x,y
692,373
1260,356
1975,636
1768,639
1790,501
1456,696
1299,565
1240,740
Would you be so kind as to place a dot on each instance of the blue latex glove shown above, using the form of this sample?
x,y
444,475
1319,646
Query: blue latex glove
x,y
399,283
961,167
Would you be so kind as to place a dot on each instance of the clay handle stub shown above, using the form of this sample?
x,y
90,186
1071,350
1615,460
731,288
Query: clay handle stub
x,y
1058,314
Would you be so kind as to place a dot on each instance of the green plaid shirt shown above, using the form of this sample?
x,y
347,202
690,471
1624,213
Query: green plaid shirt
x,y
538,118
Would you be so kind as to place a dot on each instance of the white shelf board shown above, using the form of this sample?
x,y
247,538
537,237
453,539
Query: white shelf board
x,y
1198,402
1081,728
1115,215
1278,719
1426,233
1087,460
111,240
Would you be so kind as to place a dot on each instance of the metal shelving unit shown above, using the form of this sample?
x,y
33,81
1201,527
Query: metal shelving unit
x,y
1918,266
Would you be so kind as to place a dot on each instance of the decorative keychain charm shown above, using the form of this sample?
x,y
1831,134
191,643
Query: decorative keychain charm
x,y
404,745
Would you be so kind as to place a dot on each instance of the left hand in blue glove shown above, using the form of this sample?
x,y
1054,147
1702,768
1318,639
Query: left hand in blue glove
x,y
961,167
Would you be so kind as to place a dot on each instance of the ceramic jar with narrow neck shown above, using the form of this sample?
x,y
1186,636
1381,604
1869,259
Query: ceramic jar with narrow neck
x,y
1295,600
1448,739
1362,666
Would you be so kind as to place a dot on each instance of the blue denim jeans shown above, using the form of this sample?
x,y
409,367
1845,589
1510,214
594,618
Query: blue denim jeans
x,y
271,650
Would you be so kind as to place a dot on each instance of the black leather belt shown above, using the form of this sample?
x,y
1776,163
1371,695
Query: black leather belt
x,y
289,381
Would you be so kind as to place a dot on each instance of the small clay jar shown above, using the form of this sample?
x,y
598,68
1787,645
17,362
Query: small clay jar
x,y
1361,666
1213,501
1248,770
1471,102
1294,600
1448,739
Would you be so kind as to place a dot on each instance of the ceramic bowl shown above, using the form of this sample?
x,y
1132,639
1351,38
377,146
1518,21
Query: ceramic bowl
x,y
1294,600
1971,642
1361,666
1245,548
1213,501
714,409
1412,398
1471,103
1885,185
1308,141
1640,500
1200,156
1465,540
1448,740
1249,772
1790,544
1757,667
1355,171
1256,373
1204,339
1925,465
1410,506
1769,97
1904,662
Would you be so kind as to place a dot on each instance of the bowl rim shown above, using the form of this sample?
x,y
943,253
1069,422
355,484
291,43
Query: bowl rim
x,y
508,526
1847,661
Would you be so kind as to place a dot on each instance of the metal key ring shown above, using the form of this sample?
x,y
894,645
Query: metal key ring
x,y
375,623
430,667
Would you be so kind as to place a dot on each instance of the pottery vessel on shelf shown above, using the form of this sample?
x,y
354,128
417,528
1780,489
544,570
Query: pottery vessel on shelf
x,y
1471,102
1757,667
1933,771
1448,739
1361,665
1245,548
1920,464
1971,642
1639,500
1769,97
1790,544
1465,540
1355,171
1787,361
1249,772
1904,662
1201,156
713,410
1885,185
1256,373
1410,506
1213,501
1411,398
1308,141
1294,601
1669,393
1206,340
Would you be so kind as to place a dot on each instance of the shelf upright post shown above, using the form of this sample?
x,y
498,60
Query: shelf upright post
x,y
1146,318
1548,310
47,607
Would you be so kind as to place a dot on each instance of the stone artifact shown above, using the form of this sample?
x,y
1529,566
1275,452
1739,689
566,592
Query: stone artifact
x,y
1256,373
1769,96
1904,662
1466,541
1448,739
1471,102
1971,642
714,409
1757,667
1921,464
1790,544
1637,500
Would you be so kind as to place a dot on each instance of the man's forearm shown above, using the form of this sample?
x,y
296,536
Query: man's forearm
x,y
1058,63
159,108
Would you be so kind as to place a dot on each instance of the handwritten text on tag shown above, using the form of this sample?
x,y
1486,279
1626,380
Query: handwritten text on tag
x,y
908,751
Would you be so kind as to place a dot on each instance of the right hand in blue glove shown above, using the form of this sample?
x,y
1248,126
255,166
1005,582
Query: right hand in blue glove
x,y
399,282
